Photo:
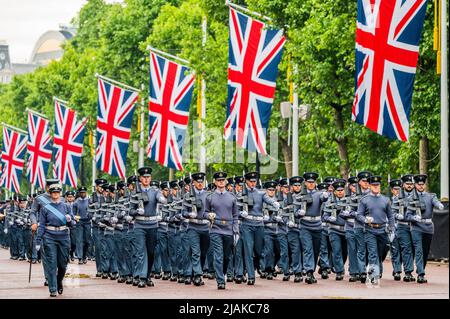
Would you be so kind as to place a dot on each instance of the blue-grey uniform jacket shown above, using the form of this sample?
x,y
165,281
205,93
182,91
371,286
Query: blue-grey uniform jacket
x,y
37,204
255,215
312,219
149,219
358,224
379,208
198,223
399,207
80,208
47,217
224,205
425,225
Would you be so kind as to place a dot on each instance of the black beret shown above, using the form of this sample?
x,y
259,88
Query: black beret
x,y
121,185
283,182
339,183
131,179
111,188
164,185
173,184
181,183
239,179
69,193
230,180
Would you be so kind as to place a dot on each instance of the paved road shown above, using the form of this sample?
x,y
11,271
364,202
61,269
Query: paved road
x,y
14,284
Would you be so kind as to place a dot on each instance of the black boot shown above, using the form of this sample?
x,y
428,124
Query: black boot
x,y
269,276
298,277
339,276
105,275
221,286
286,277
98,275
187,281
166,276
150,282
157,276
310,279
324,274
173,278
238,280
142,283
353,278
60,287
180,279
198,280
251,282
362,278
397,276
129,280
135,281
121,280
229,279
421,279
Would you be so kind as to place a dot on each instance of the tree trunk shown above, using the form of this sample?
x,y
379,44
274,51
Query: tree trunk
x,y
342,144
286,150
423,155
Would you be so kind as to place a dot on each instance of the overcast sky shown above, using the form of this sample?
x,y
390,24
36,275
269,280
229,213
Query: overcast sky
x,y
22,22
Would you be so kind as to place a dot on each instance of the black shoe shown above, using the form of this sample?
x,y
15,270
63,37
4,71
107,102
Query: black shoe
x,y
21,258
310,279
286,277
262,275
211,275
150,282
198,280
238,280
157,276
353,278
324,274
105,275
244,279
46,283
166,277
363,278
121,280
221,286
205,275
187,281
421,279
60,288
34,261
53,294
98,275
298,278
142,283
269,276
72,259
84,261
408,277
129,280
173,278
251,282
397,276
339,276
229,279
114,276
135,282
80,262
14,258
180,280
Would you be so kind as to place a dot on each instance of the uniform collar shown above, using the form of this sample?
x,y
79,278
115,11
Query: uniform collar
x,y
221,193
375,195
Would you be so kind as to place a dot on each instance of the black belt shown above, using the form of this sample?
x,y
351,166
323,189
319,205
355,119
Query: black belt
x,y
376,226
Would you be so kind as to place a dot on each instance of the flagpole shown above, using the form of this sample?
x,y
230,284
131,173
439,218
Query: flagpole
x,y
203,110
94,162
59,100
14,128
36,113
141,132
238,7
150,48
125,86
295,129
444,103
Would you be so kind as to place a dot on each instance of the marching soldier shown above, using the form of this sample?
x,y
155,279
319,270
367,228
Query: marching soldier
x,y
130,235
162,261
174,241
185,247
83,226
239,250
70,198
198,231
221,210
374,210
252,227
293,234
94,213
53,236
420,214
285,199
325,258
146,224
311,225
336,227
359,227
395,190
349,215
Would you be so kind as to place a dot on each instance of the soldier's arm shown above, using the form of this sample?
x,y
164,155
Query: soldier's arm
x,y
185,210
41,227
361,213
33,211
160,198
437,203
270,201
390,215
236,214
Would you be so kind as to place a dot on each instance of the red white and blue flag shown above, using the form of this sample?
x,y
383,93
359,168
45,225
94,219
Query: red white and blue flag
x,y
67,144
171,87
13,158
116,106
387,49
39,149
254,54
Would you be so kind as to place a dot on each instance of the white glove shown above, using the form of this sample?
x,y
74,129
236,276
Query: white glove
x,y
345,213
244,214
278,218
301,212
211,216
276,205
391,236
68,218
325,195
77,218
158,217
5,231
38,247
266,218
399,217
140,211
332,219
369,220
290,224
235,238
417,218
122,214
440,206
128,219
192,214
114,220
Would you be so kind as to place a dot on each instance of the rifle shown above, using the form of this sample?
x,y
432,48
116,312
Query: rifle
x,y
415,204
139,198
304,199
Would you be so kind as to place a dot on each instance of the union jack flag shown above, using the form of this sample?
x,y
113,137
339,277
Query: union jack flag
x,y
67,144
171,87
13,157
387,49
39,149
254,54
115,114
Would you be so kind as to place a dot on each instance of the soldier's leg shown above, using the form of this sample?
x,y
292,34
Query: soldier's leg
x,y
141,254
49,261
204,249
294,244
164,254
396,257
239,260
352,257
21,243
119,246
151,239
97,248
156,268
63,248
372,251
404,240
316,241
27,243
218,251
324,262
383,248
426,244
284,258
79,241
268,254
248,241
194,239
128,255
337,253
104,254
308,253
259,243
360,250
